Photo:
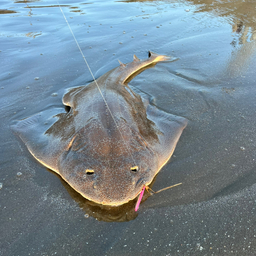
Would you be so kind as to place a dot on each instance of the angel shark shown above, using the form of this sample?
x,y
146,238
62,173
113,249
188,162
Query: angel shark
x,y
110,142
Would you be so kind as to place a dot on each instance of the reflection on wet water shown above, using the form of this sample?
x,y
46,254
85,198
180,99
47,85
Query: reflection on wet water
x,y
235,10
241,15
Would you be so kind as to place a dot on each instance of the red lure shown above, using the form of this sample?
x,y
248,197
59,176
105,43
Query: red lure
x,y
139,199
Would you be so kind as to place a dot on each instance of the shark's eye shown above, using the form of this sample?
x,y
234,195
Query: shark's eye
x,y
89,171
134,168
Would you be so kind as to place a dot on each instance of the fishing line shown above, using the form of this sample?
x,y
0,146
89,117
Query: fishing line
x,y
148,188
96,82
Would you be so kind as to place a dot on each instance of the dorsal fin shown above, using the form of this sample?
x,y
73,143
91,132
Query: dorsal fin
x,y
126,72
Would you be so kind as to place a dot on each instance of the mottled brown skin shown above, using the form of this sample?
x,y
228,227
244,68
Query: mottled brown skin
x,y
105,161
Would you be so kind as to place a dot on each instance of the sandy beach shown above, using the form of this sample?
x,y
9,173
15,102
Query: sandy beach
x,y
212,84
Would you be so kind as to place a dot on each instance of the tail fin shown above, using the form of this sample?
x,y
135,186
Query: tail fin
x,y
126,72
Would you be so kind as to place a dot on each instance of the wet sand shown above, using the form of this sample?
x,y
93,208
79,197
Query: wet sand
x,y
212,85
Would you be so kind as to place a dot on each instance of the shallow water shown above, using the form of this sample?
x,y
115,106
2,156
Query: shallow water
x,y
212,85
